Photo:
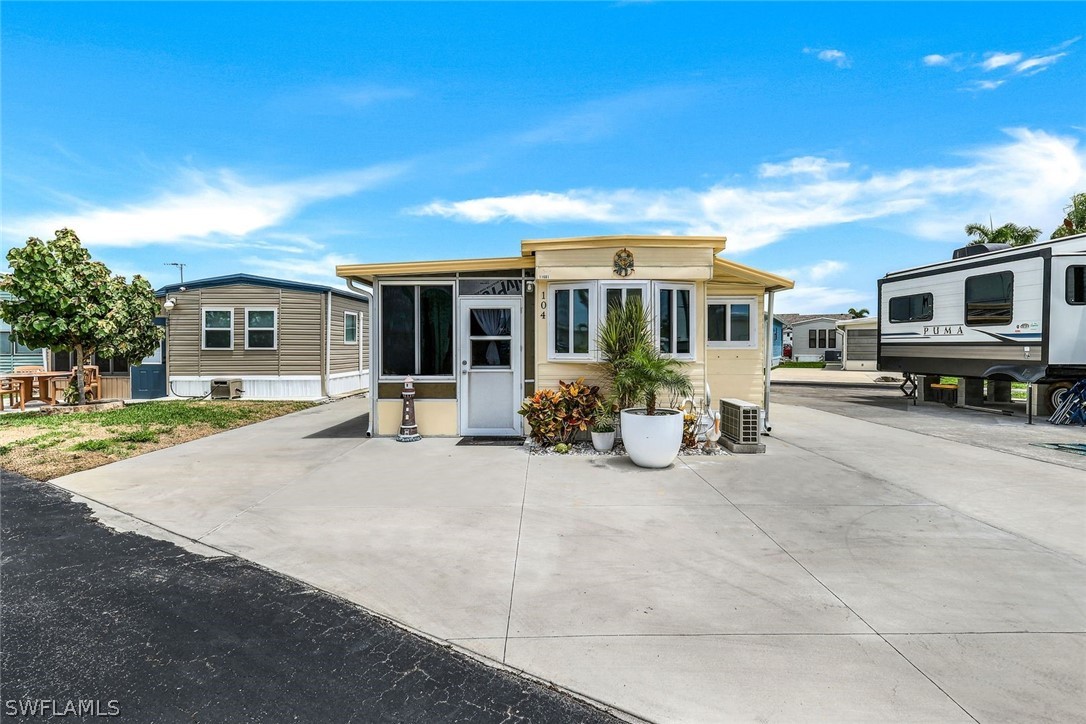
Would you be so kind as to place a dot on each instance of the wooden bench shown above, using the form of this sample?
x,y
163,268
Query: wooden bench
x,y
947,394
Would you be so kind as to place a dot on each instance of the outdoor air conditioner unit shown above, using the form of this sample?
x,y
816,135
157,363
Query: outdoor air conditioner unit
x,y
739,425
226,389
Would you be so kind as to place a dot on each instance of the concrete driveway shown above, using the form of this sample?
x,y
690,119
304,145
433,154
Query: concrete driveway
x,y
856,572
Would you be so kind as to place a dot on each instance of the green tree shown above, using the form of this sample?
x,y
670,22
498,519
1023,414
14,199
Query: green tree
x,y
858,313
631,361
1009,233
1075,220
65,301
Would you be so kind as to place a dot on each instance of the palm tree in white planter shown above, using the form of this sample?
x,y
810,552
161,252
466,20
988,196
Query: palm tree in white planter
x,y
638,372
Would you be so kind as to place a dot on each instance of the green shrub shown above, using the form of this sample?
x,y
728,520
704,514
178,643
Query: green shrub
x,y
555,416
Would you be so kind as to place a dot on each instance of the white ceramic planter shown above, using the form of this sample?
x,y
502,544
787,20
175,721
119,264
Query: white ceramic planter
x,y
603,441
652,442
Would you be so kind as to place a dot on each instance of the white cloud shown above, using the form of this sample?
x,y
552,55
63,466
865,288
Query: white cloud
x,y
982,85
935,59
1037,63
993,60
813,299
831,55
826,268
320,270
1024,179
216,209
800,166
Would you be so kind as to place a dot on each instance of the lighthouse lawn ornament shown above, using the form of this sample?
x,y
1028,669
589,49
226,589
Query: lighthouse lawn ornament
x,y
409,431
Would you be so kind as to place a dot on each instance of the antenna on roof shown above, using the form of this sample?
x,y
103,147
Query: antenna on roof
x,y
180,268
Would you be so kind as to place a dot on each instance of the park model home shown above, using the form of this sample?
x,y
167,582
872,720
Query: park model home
x,y
282,339
478,335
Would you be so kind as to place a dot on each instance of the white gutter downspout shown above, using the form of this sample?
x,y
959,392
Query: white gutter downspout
x,y
327,344
368,294
766,427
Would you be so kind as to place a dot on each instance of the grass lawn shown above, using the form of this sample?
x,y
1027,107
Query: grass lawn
x,y
48,446
805,365
1018,389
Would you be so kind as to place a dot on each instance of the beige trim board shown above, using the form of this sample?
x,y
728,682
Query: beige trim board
x,y
369,272
531,246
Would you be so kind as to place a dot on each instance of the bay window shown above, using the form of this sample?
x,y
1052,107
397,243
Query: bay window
x,y
572,323
675,319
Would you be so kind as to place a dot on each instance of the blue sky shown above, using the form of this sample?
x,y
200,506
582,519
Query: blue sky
x,y
831,143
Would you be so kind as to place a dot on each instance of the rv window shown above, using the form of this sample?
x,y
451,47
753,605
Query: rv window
x,y
913,308
1076,285
989,299
812,338
416,330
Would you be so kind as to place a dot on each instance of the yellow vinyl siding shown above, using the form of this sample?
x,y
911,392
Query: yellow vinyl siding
x,y
657,263
345,357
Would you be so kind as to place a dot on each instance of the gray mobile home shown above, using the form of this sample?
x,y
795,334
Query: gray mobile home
x,y
814,334
282,339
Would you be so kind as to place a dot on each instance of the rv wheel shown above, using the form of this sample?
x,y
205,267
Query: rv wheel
x,y
1057,393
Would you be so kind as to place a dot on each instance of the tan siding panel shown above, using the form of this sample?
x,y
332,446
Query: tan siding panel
x,y
345,357
300,333
119,388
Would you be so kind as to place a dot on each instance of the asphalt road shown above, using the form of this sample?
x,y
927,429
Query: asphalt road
x,y
105,622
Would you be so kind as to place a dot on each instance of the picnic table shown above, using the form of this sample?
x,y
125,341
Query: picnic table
x,y
29,382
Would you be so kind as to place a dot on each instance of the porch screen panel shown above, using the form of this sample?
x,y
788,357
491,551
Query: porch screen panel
x,y
436,331
397,330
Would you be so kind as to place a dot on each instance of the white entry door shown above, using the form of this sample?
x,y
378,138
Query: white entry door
x,y
491,375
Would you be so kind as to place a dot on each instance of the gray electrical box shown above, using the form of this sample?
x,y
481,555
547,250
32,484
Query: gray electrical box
x,y
226,389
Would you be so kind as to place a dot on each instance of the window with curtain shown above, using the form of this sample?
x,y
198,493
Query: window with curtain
x,y
416,330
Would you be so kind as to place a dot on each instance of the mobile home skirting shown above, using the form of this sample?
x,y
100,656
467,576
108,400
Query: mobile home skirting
x,y
283,387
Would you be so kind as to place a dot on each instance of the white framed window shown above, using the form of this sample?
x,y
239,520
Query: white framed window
x,y
571,323
730,322
612,293
350,327
217,328
260,327
675,319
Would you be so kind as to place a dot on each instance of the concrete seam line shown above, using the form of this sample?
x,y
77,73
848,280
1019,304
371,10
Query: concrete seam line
x,y
516,558
281,488
407,628
1062,554
834,594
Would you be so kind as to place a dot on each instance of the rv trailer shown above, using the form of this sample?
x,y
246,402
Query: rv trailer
x,y
993,311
